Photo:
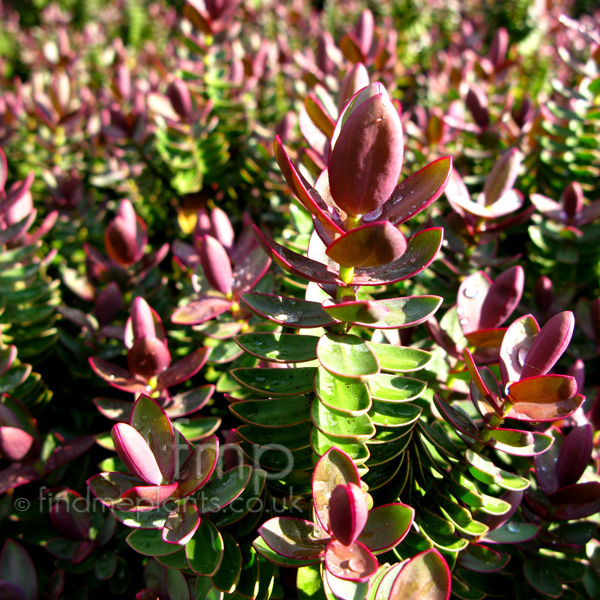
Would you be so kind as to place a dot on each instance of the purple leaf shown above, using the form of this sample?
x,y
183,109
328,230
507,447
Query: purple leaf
x,y
17,568
294,538
352,563
357,311
118,377
67,518
458,419
469,302
425,575
3,170
319,115
16,475
142,321
68,451
152,423
295,263
544,398
549,345
216,265
183,369
576,501
249,271
198,468
189,402
502,298
148,357
371,245
222,228
333,468
307,195
502,177
422,249
181,524
108,304
199,311
574,456
366,161
109,487
15,443
145,497
515,345
417,192
125,236
134,451
348,512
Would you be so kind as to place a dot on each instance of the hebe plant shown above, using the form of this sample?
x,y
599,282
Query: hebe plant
x,y
370,392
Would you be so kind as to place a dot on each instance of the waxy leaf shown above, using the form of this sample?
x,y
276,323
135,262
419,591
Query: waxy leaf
x,y
354,562
333,468
482,559
149,542
188,402
295,538
276,382
183,369
17,569
418,191
422,249
273,413
544,398
216,264
321,443
392,414
292,262
426,575
263,549
520,443
118,377
228,574
221,491
279,347
346,356
357,311
302,189
457,418
392,388
199,311
181,524
294,437
366,160
148,357
348,512
399,359
151,421
371,245
348,429
134,451
471,296
515,346
549,345
406,312
288,311
198,468
204,551
575,454
502,298
386,526
349,396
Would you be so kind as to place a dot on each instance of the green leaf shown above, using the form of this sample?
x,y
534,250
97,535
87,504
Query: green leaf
x,y
400,359
406,312
250,500
261,547
346,356
321,443
228,574
348,429
205,550
513,532
310,583
483,469
288,311
149,542
293,437
197,429
392,388
276,382
394,414
541,575
520,443
343,394
357,311
295,538
220,491
279,347
348,590
383,453
273,413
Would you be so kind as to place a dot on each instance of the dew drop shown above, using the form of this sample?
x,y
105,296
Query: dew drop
x,y
148,388
412,260
163,447
259,378
356,564
412,192
472,291
521,355
512,527
144,417
111,376
464,321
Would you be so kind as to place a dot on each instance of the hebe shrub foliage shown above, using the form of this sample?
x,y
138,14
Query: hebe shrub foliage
x,y
299,302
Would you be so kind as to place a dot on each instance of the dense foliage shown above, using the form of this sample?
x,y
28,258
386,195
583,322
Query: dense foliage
x,y
299,300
